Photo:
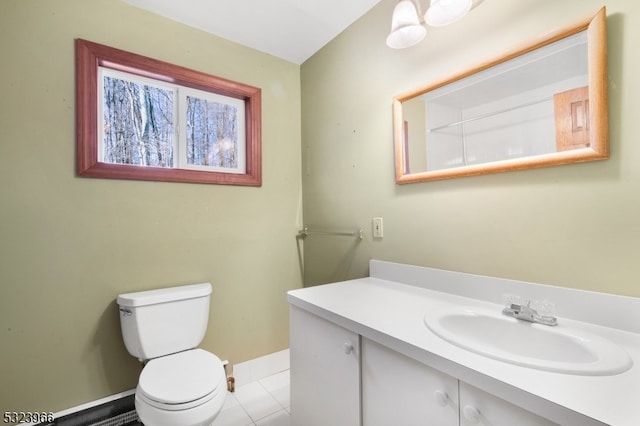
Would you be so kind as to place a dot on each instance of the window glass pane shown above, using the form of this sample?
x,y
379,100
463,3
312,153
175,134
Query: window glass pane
x,y
212,133
138,122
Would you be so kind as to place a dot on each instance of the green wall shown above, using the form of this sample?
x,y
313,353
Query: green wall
x,y
572,226
69,245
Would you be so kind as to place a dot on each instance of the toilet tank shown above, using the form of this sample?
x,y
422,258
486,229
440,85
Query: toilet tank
x,y
164,321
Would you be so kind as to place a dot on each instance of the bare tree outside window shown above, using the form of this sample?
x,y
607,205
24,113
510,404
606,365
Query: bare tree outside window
x,y
212,133
138,123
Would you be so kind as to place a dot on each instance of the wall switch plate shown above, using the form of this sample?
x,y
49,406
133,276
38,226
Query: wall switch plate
x,y
378,227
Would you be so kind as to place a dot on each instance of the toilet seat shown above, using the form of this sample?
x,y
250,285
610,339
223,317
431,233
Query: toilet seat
x,y
182,381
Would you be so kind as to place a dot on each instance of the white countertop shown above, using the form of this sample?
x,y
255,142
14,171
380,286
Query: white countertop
x,y
392,313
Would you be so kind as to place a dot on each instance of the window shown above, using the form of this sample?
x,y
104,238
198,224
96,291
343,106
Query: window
x,y
139,118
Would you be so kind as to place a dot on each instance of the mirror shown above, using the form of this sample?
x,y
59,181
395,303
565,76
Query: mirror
x,y
542,104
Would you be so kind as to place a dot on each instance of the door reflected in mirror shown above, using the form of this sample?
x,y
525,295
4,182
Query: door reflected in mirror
x,y
540,105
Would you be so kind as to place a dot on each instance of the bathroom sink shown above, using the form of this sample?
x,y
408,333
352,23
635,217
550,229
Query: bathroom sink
x,y
560,349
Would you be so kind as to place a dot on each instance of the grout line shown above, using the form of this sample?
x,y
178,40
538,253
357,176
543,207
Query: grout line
x,y
246,412
271,394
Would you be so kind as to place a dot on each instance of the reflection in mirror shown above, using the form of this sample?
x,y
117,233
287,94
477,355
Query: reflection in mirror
x,y
540,105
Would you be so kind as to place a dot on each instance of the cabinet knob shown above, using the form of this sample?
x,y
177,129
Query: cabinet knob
x,y
472,414
347,348
441,398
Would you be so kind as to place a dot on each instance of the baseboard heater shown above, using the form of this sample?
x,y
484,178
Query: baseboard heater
x,y
116,412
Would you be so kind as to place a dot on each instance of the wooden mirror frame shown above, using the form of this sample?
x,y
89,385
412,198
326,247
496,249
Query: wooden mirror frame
x,y
90,56
596,28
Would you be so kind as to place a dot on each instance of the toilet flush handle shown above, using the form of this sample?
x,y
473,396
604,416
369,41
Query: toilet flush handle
x,y
347,348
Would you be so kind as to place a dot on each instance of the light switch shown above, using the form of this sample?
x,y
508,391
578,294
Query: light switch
x,y
378,227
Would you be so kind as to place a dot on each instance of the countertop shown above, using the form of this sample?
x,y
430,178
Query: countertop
x,y
391,313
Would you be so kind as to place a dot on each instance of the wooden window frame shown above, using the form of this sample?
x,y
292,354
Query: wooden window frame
x,y
91,56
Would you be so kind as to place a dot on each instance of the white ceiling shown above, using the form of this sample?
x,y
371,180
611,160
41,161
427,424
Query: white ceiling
x,y
289,29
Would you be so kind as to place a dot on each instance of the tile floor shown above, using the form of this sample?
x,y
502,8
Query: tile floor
x,y
261,403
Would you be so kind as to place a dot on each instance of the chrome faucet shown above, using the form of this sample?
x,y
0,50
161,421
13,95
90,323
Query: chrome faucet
x,y
524,311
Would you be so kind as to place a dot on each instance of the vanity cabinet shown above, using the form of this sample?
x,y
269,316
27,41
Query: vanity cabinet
x,y
339,378
325,372
479,408
362,354
399,390
396,390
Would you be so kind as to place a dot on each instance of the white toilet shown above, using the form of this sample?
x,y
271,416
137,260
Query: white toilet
x,y
180,385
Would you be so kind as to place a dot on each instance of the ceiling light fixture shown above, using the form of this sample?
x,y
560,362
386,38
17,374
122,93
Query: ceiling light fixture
x,y
407,27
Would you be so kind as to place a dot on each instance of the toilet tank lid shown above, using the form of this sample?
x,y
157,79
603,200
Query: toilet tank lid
x,y
163,295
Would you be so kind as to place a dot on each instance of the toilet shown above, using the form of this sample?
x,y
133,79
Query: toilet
x,y
180,384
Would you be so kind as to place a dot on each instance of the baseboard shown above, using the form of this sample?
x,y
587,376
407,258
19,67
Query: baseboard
x,y
259,368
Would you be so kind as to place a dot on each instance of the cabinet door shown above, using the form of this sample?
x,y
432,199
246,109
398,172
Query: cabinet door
x,y
325,372
572,119
397,390
479,408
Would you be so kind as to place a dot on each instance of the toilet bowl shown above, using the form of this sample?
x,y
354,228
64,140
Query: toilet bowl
x,y
184,389
180,385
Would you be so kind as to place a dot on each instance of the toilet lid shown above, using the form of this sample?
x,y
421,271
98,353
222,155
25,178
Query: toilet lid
x,y
182,377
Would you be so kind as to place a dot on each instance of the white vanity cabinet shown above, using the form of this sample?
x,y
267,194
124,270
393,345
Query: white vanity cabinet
x,y
479,408
361,354
325,372
339,378
397,390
